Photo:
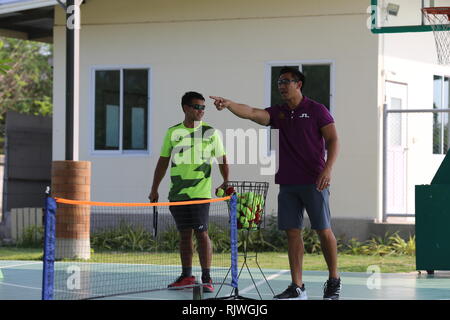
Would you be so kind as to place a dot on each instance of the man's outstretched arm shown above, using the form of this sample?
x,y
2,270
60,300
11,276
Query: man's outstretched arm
x,y
243,111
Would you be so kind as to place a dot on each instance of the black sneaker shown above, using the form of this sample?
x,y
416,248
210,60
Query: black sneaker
x,y
293,292
332,289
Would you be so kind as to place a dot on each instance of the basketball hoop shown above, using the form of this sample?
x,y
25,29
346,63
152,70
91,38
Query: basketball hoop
x,y
439,19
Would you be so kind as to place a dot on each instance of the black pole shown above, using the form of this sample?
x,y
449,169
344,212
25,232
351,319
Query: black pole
x,y
70,72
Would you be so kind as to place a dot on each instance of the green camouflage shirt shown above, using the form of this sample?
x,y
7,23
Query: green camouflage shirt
x,y
192,151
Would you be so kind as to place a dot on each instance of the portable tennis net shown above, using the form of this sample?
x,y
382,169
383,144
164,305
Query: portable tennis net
x,y
96,250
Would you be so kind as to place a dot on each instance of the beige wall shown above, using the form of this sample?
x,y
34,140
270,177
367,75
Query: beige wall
x,y
222,48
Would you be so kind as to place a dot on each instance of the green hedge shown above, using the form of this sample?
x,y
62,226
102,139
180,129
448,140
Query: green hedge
x,y
269,238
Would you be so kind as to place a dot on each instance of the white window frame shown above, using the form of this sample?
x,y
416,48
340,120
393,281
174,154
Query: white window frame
x,y
297,63
120,152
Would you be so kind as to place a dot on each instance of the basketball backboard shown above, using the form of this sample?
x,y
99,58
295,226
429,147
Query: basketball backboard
x,y
396,16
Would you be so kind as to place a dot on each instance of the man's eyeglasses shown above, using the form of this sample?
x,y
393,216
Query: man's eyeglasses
x,y
285,81
197,106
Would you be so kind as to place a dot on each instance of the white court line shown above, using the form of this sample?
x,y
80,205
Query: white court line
x,y
276,275
20,265
18,286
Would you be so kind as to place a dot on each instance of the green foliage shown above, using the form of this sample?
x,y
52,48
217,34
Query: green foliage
x,y
273,235
129,238
124,237
220,239
390,244
170,240
4,63
25,77
311,242
32,237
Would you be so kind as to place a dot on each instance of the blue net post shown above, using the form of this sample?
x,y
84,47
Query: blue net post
x,y
234,243
49,248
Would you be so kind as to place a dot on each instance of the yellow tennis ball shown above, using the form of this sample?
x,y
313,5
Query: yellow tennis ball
x,y
220,192
250,198
248,212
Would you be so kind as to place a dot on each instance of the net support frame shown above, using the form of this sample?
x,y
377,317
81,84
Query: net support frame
x,y
242,186
439,19
49,257
49,248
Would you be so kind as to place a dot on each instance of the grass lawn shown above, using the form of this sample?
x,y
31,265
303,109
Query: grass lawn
x,y
269,260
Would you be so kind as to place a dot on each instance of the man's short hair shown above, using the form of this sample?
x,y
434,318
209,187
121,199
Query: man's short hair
x,y
298,76
189,96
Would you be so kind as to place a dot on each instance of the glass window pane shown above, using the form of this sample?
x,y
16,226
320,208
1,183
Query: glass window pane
x,y
395,124
446,93
107,113
437,117
135,106
446,123
317,83
437,96
437,133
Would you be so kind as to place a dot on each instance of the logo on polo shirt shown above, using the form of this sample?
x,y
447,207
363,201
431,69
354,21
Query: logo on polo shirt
x,y
304,115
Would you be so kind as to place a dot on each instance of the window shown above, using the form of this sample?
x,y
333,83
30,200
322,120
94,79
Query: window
x,y
121,110
318,85
440,120
317,82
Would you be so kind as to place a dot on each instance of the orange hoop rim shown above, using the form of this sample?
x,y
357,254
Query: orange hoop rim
x,y
436,10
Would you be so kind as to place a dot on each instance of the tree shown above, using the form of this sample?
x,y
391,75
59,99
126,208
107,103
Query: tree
x,y
26,77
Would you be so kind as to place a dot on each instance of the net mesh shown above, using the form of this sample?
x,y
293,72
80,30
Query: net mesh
x,y
109,251
439,19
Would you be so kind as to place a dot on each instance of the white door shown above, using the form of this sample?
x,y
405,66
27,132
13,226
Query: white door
x,y
396,98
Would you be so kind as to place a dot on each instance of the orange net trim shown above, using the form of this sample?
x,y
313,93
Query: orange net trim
x,y
150,204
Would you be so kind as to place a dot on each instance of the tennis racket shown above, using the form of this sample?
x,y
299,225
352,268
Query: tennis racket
x,y
155,221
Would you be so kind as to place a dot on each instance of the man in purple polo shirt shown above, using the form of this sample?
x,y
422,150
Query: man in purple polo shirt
x,y
306,128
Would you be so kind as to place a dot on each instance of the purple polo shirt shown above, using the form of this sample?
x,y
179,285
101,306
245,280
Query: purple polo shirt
x,y
301,146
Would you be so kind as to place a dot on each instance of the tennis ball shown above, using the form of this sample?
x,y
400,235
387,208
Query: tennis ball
x,y
242,220
262,202
247,212
250,198
220,192
246,224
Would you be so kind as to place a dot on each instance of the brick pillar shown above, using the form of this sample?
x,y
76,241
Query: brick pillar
x,y
72,180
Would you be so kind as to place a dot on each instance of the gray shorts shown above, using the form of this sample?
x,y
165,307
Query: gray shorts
x,y
294,199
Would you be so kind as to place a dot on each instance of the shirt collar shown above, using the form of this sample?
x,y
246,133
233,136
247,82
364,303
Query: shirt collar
x,y
302,103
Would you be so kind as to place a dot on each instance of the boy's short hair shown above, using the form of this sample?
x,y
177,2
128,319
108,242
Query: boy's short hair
x,y
189,96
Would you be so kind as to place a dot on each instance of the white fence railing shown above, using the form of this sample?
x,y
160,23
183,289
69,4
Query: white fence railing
x,y
22,219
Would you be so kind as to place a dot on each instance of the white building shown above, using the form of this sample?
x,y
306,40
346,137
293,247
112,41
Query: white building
x,y
234,49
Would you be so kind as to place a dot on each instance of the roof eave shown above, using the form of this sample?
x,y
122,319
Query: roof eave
x,y
26,5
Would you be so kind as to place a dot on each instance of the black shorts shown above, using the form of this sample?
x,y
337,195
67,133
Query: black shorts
x,y
193,216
